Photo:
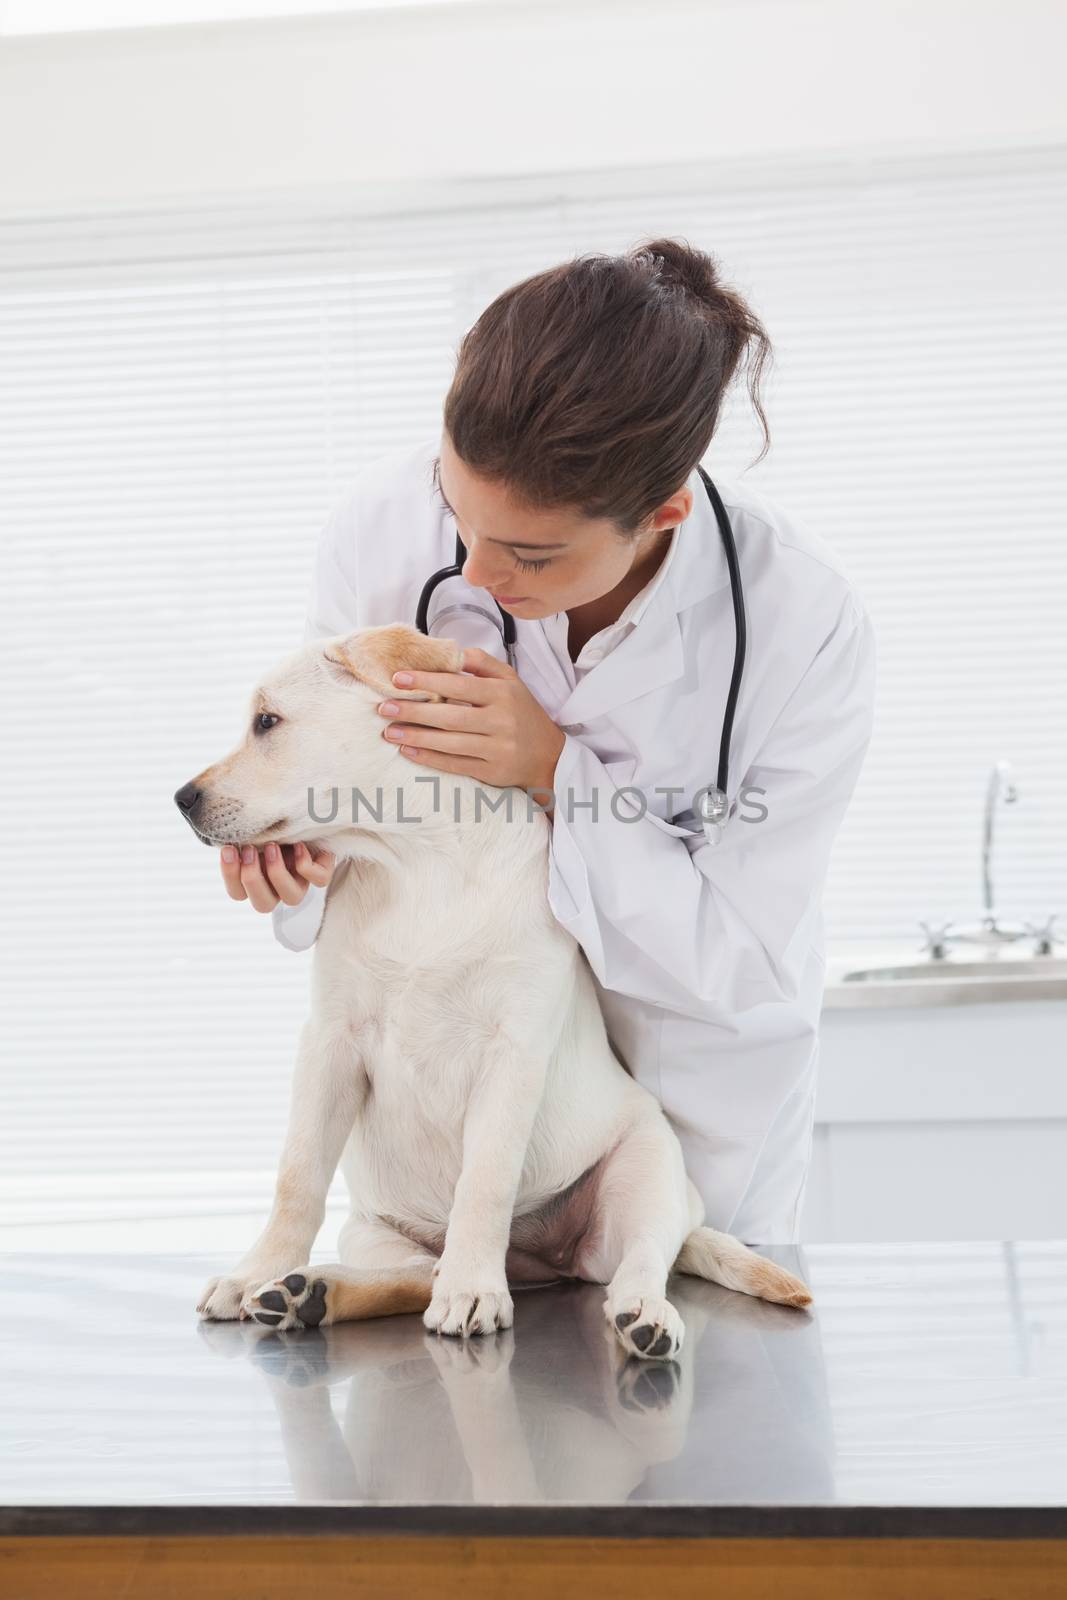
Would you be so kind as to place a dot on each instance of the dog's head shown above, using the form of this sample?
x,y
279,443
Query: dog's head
x,y
313,726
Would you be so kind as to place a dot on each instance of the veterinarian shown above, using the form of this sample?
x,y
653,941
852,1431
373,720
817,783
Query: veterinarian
x,y
582,402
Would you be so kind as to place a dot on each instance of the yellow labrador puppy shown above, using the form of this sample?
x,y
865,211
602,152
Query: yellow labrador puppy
x,y
455,1061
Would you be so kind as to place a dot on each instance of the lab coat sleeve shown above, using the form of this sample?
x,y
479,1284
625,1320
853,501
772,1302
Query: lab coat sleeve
x,y
710,931
331,610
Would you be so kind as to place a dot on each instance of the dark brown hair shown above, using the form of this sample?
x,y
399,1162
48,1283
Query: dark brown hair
x,y
598,384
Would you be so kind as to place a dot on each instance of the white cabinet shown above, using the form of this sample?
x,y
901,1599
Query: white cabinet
x,y
940,1123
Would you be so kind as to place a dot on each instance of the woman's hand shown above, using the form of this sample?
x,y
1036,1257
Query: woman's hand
x,y
283,873
498,732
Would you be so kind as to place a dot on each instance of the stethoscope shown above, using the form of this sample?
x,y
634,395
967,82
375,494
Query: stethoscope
x,y
713,804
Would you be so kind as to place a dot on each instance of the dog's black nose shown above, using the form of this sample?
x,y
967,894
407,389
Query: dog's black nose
x,y
187,798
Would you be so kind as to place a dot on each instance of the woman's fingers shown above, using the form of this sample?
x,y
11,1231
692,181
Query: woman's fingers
x,y
259,891
278,872
287,887
230,861
314,868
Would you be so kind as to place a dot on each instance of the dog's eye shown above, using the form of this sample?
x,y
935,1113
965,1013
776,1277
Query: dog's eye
x,y
265,722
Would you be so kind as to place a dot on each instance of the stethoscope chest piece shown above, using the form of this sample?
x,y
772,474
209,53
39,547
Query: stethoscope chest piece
x,y
713,807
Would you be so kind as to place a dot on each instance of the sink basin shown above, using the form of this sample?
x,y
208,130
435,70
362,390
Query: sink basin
x,y
965,968
956,980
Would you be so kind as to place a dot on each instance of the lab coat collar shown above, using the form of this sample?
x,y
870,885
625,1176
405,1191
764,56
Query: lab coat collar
x,y
652,653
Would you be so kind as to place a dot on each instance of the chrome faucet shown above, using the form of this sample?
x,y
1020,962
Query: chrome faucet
x,y
989,930
1000,779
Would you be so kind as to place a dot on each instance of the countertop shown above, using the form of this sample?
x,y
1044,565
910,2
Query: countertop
x,y
924,1394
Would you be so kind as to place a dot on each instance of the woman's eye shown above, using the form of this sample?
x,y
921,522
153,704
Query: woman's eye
x,y
522,564
265,721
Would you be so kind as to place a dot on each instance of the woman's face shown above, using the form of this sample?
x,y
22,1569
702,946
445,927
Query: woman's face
x,y
535,563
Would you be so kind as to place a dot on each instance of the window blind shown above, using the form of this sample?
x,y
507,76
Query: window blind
x,y
184,395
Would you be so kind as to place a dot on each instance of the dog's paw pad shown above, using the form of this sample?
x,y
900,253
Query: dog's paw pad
x,y
295,1301
648,1327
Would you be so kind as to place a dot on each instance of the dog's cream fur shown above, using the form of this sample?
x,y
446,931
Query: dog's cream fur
x,y
455,1061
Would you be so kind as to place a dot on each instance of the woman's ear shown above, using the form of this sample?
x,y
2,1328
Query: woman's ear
x,y
372,655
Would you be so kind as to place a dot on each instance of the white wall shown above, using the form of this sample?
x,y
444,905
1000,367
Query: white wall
x,y
422,96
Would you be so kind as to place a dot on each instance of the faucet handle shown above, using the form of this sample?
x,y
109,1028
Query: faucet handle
x,y
935,937
1043,933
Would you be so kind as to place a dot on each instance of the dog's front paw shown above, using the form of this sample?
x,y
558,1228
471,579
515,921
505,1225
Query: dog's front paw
x,y
465,1310
299,1300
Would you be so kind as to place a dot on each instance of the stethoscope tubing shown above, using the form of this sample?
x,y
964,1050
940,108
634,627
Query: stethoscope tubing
x,y
737,595
422,611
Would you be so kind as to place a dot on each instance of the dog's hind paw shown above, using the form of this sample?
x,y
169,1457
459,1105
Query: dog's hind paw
x,y
646,1326
299,1300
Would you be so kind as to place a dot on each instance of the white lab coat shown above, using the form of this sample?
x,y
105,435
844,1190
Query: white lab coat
x,y
709,961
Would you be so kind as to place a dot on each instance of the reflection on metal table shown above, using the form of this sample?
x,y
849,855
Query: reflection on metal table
x,y
924,1396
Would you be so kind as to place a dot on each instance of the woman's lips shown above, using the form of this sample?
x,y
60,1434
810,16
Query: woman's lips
x,y
508,599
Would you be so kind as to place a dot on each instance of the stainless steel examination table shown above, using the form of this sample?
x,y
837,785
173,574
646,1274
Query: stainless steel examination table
x,y
908,1435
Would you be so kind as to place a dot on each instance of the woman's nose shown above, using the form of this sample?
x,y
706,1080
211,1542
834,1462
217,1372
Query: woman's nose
x,y
483,570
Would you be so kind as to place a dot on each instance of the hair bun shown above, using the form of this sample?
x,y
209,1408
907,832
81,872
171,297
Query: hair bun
x,y
676,262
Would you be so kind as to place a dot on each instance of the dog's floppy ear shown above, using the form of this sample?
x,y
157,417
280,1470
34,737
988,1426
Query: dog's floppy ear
x,y
373,654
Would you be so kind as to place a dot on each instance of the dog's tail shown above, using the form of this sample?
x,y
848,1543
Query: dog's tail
x,y
720,1258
